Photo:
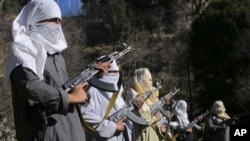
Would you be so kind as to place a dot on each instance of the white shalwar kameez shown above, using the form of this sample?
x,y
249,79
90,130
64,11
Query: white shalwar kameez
x,y
95,110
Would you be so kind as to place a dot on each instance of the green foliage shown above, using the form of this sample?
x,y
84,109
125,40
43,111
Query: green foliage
x,y
115,19
9,6
219,49
111,19
151,15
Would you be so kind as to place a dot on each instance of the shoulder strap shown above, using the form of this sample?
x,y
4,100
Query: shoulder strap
x,y
111,104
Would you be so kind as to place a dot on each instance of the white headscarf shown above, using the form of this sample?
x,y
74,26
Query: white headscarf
x,y
181,112
114,78
33,40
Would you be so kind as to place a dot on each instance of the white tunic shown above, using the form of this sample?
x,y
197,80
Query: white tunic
x,y
94,111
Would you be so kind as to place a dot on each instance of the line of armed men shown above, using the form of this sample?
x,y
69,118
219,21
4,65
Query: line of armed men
x,y
145,116
94,105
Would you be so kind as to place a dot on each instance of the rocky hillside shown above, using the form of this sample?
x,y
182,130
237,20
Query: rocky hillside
x,y
153,50
6,115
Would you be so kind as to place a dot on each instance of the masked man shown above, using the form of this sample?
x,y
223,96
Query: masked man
x,y
180,111
102,129
217,128
140,83
43,110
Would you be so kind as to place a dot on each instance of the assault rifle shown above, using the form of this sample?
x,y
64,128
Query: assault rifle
x,y
87,75
196,120
235,118
191,124
159,105
126,110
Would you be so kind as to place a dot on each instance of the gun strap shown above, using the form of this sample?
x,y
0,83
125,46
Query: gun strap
x,y
80,115
111,104
203,131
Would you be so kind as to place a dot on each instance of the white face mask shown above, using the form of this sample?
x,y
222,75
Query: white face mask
x,y
114,78
110,78
49,35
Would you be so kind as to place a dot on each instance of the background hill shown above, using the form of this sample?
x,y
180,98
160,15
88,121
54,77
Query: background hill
x,y
199,46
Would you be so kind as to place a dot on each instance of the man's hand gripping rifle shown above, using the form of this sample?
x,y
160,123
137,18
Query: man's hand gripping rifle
x,y
159,105
192,124
235,119
197,119
87,75
126,110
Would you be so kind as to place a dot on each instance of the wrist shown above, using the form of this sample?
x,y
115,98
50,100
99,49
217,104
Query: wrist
x,y
72,98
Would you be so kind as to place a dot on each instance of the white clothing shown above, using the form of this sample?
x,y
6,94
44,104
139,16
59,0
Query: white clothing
x,y
96,109
30,46
113,66
181,113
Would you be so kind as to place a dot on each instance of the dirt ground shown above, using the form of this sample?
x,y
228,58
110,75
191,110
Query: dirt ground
x,y
7,132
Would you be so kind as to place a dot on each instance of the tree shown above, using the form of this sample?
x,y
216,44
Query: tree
x,y
9,6
219,50
115,20
110,17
